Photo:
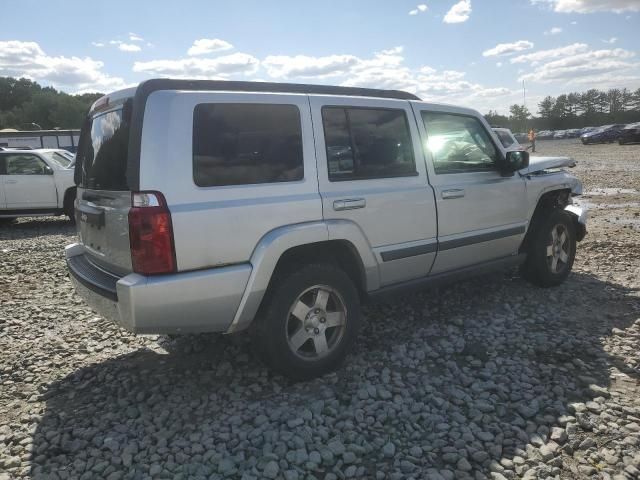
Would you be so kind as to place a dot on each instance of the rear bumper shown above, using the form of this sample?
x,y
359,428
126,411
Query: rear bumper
x,y
200,301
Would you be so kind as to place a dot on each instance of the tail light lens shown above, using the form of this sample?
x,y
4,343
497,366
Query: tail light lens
x,y
151,234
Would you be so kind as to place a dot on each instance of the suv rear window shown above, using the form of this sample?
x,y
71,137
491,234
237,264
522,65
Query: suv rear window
x,y
365,143
102,154
246,143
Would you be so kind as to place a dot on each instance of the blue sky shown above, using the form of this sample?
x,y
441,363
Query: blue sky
x,y
470,52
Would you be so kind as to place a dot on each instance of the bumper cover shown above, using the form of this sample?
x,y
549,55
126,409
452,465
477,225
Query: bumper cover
x,y
199,301
580,215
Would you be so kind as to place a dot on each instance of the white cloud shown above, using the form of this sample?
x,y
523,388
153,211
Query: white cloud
x,y
544,55
591,6
498,64
574,23
508,48
553,31
279,66
97,44
419,9
581,67
611,40
459,13
200,68
129,47
133,37
125,47
71,74
208,45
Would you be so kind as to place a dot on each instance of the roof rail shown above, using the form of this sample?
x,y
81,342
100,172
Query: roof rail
x,y
154,84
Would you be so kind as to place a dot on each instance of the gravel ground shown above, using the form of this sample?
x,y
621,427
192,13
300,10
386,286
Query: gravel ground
x,y
489,378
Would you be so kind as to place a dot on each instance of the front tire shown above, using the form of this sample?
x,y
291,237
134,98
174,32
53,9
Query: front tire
x,y
551,251
309,322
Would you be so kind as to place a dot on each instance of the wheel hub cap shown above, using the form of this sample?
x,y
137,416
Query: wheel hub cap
x,y
316,322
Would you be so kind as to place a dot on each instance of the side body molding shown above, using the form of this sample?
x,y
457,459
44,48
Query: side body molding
x,y
269,250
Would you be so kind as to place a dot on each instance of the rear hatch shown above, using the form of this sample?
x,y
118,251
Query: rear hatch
x,y
104,193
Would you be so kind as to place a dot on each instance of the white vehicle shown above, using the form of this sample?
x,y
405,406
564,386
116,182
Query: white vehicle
x,y
36,182
213,206
507,139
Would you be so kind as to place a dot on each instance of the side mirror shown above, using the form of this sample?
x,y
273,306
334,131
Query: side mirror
x,y
516,160
48,170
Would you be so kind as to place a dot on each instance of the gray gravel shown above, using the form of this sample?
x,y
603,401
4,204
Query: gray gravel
x,y
489,378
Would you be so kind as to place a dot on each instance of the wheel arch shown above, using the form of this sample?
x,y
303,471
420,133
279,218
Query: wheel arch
x,y
282,249
549,200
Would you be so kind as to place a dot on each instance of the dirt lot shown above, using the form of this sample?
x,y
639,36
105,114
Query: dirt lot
x,y
489,378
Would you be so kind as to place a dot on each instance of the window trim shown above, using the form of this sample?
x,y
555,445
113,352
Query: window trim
x,y
244,185
346,107
496,164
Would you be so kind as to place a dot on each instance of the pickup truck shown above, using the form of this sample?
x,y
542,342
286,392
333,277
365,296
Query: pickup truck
x,y
36,182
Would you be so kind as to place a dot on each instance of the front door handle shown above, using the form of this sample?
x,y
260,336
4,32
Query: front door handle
x,y
349,204
454,193
9,180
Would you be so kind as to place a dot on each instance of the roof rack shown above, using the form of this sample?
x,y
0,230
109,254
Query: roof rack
x,y
154,84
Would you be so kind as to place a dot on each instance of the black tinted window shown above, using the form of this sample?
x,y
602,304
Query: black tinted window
x,y
367,143
241,143
102,154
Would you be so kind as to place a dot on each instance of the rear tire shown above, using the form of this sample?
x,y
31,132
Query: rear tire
x,y
551,251
308,322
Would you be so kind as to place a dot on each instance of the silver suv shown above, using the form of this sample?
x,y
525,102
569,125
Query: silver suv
x,y
213,206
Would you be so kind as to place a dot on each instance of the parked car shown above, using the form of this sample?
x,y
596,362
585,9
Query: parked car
x,y
214,206
630,134
587,130
507,139
36,182
544,135
560,134
604,134
573,133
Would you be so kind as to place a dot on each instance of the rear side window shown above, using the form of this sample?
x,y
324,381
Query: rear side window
x,y
365,143
102,154
246,143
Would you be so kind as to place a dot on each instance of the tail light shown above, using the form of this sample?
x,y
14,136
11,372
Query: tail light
x,y
151,234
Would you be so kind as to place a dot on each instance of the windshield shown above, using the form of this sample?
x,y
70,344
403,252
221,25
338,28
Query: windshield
x,y
59,159
102,154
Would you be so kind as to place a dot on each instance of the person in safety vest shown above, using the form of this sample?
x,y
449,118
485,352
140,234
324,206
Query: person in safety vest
x,y
532,140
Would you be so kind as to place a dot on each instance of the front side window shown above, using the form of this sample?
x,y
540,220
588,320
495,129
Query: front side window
x,y
246,143
506,139
458,143
23,164
365,143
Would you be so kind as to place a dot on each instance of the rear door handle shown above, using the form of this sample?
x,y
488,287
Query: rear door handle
x,y
349,204
453,193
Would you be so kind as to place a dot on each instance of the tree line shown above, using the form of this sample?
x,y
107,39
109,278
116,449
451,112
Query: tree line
x,y
26,105
574,110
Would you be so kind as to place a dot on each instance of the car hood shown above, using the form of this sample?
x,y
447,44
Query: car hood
x,y
593,133
537,164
